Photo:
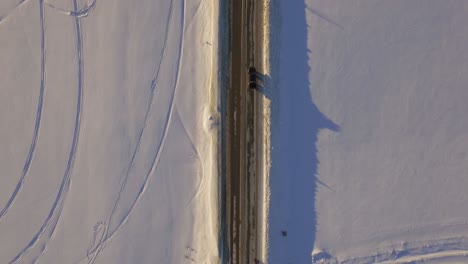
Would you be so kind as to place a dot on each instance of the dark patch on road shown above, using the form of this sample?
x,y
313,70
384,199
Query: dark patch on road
x,y
241,166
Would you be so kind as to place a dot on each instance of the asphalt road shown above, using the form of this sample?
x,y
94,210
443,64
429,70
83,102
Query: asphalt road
x,y
242,135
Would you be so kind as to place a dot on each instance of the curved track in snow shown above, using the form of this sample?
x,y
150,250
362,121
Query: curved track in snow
x,y
201,185
108,234
148,111
413,252
7,14
74,13
37,123
56,210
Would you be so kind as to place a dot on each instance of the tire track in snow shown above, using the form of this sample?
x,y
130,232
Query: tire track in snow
x,y
405,253
201,184
103,225
148,110
57,207
75,13
7,14
37,123
193,14
107,236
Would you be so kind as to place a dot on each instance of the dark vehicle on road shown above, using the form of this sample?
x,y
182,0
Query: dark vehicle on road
x,y
252,78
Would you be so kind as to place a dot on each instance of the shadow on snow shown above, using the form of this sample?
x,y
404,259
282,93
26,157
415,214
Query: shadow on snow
x,y
295,124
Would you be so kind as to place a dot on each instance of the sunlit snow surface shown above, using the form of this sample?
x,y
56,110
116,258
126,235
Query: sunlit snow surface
x,y
106,141
383,128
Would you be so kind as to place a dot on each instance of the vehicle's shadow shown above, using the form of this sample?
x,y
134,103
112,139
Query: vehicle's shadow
x,y
264,84
295,124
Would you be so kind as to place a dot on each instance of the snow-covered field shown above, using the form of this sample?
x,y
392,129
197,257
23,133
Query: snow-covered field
x,y
108,131
369,132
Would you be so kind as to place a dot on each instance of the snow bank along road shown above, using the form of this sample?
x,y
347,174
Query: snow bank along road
x,y
108,131
369,132
242,136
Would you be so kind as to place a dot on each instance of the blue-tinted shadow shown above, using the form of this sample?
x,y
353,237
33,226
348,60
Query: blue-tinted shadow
x,y
296,122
